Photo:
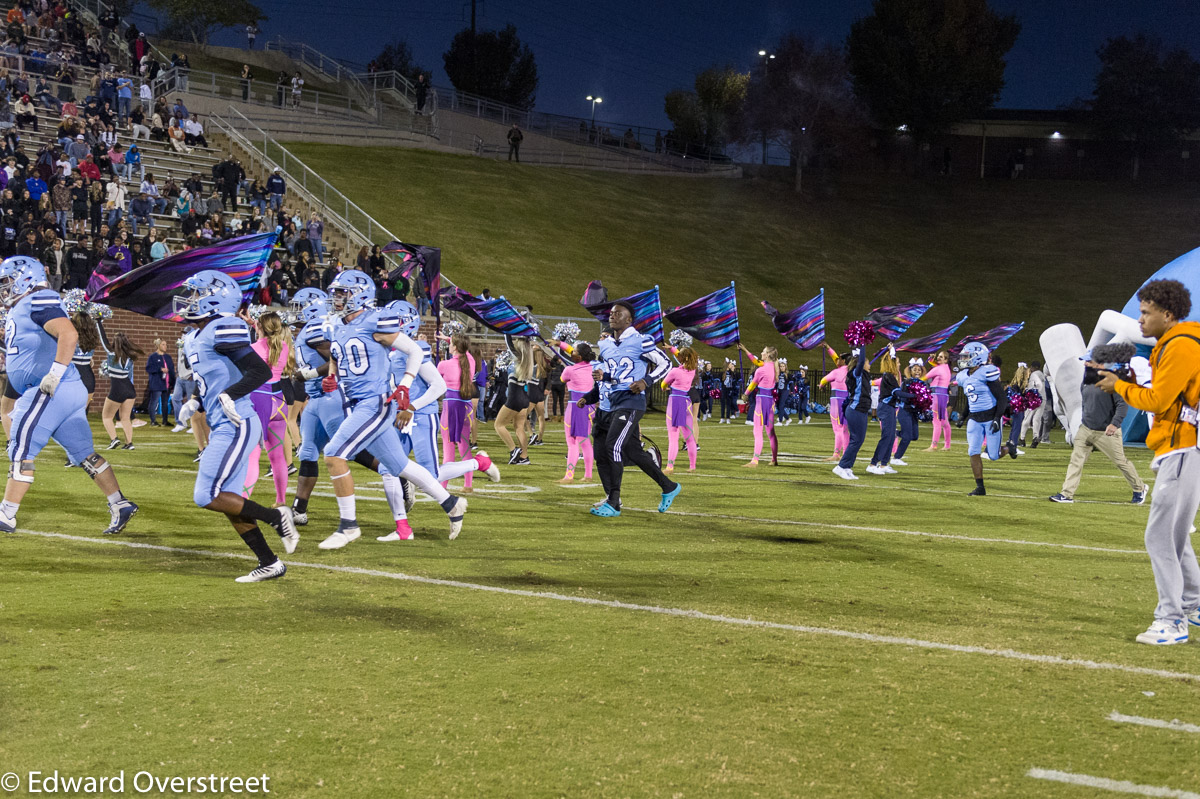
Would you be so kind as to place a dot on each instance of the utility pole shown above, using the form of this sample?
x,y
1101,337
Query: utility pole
x,y
474,52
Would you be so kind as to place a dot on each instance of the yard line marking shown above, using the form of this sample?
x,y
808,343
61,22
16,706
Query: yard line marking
x,y
1010,654
1173,724
1104,784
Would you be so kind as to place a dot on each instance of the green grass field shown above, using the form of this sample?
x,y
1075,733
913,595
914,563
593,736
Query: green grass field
x,y
907,640
1042,252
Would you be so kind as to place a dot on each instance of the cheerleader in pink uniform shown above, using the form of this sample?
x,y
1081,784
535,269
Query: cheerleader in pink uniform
x,y
270,403
765,377
578,421
679,408
938,379
459,374
836,380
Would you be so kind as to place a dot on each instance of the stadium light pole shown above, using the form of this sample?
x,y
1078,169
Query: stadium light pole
x,y
766,57
594,101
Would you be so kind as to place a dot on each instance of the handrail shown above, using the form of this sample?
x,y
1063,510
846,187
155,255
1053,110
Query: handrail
x,y
259,92
307,54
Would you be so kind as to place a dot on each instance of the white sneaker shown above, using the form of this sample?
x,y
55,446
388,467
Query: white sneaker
x,y
846,474
1164,632
1193,618
340,538
898,462
287,529
456,517
889,470
788,422
807,419
873,469
1020,451
749,422
178,428
271,572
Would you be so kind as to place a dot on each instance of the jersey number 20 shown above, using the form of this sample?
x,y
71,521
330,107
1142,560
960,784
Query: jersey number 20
x,y
352,359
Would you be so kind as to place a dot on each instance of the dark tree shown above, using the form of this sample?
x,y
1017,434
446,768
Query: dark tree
x,y
199,19
493,64
703,117
398,57
927,64
1143,96
802,99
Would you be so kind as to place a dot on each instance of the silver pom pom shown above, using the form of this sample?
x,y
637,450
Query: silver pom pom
x,y
505,360
453,328
75,301
566,331
679,339
98,311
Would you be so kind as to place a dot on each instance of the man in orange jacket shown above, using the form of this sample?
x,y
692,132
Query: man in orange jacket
x,y
1173,396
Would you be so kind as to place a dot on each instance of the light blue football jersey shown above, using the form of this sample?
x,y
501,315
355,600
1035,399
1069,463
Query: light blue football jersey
x,y
399,362
362,362
308,357
209,351
975,386
29,349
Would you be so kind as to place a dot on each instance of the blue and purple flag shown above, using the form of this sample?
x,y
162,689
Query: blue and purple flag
x,y
150,290
803,326
496,313
647,309
711,320
416,257
930,343
991,338
892,320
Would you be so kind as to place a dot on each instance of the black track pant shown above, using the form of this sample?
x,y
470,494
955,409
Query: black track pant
x,y
622,444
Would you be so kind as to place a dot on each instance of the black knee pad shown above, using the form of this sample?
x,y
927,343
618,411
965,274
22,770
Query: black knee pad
x,y
308,469
366,460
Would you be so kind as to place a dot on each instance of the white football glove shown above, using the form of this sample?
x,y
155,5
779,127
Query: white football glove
x,y
53,377
230,408
308,373
187,410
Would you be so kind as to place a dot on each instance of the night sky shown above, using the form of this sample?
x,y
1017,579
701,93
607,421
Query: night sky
x,y
631,54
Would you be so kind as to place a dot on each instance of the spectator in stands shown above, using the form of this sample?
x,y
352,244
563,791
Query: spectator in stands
x,y
171,189
183,204
62,167
176,135
304,245
146,95
251,34
308,276
276,187
227,175
46,97
247,78
125,96
36,187
214,207
159,248
116,157
182,68
158,128
297,88
30,246
316,235
180,111
658,141
256,223
422,92
137,254
60,202
192,223
6,113
256,195
54,258
379,273
137,125
80,263
79,205
133,160
193,132
78,150
281,82
25,113
515,137
97,196
115,201
150,188
140,208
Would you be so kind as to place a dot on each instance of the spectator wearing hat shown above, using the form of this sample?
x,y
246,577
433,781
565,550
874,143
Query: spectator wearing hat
x,y
276,188
25,113
78,150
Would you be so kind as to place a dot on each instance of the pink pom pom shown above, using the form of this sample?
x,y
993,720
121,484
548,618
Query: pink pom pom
x,y
1033,400
922,398
859,334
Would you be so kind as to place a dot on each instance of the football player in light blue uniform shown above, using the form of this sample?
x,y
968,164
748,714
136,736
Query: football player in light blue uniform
x,y
631,362
360,340
980,381
326,409
39,341
226,370
420,426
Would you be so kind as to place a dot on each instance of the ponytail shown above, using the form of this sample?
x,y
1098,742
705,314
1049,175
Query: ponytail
x,y
466,380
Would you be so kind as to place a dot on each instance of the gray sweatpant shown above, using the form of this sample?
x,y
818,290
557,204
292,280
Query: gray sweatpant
x,y
1173,507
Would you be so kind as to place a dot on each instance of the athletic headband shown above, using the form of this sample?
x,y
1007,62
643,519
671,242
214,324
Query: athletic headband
x,y
1022,365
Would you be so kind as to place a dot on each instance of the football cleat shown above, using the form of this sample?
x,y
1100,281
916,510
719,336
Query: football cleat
x,y
978,492
404,532
410,494
340,538
269,572
287,529
1139,497
121,512
299,519
487,466
456,517
7,524
1012,450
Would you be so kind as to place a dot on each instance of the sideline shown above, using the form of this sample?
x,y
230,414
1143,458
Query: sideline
x,y
1104,784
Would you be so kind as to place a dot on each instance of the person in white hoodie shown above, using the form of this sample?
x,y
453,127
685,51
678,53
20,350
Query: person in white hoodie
x,y
115,201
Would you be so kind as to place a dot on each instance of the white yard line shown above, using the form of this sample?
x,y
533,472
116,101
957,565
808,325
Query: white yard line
x,y
1009,654
1104,784
1173,724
